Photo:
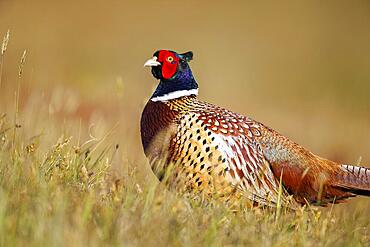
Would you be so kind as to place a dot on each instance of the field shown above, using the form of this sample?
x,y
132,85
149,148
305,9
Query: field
x,y
72,88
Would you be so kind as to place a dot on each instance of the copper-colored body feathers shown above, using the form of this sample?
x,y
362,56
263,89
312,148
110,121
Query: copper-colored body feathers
x,y
212,150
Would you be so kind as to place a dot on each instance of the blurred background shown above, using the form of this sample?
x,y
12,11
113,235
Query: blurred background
x,y
301,67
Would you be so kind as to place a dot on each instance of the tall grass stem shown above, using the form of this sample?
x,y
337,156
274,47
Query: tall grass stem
x,y
16,112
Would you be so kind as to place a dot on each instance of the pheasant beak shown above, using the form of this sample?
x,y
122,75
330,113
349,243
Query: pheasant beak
x,y
152,62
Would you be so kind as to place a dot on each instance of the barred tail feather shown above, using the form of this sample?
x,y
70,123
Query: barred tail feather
x,y
354,179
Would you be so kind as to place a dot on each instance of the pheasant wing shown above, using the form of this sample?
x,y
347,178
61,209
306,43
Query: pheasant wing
x,y
237,139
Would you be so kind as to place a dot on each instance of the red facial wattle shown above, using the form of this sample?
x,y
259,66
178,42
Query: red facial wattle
x,y
169,63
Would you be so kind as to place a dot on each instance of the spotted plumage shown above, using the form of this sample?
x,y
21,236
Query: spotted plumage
x,y
202,148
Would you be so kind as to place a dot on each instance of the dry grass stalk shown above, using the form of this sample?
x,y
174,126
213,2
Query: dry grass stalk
x,y
20,72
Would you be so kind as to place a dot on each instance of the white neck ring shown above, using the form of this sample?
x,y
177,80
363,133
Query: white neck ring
x,y
175,95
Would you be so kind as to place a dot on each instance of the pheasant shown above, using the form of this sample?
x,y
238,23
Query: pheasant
x,y
203,148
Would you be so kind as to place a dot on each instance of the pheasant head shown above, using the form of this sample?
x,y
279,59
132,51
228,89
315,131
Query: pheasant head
x,y
174,75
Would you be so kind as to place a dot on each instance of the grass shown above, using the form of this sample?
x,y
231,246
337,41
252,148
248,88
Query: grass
x,y
66,183
70,196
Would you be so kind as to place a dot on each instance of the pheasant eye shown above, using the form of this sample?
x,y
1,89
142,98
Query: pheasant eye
x,y
169,59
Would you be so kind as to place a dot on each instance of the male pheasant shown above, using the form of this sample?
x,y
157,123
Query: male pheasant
x,y
200,147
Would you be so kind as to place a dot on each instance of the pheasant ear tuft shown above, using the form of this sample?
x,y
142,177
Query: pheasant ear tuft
x,y
187,56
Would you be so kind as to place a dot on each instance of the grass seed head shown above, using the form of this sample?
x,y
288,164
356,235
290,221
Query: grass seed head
x,y
21,65
31,148
4,45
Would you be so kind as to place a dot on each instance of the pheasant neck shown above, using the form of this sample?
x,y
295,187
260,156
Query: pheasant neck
x,y
183,84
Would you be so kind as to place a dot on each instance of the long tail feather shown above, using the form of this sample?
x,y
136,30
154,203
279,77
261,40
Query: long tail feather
x,y
354,179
